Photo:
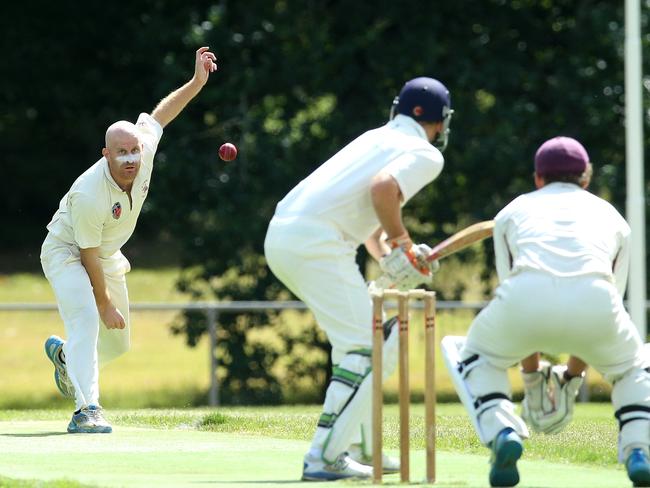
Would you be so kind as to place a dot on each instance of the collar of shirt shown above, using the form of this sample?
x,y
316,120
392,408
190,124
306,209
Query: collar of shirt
x,y
560,186
407,125
109,177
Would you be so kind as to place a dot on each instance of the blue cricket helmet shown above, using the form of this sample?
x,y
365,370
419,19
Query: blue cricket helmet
x,y
426,100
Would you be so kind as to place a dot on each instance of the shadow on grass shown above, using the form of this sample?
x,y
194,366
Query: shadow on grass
x,y
35,434
252,482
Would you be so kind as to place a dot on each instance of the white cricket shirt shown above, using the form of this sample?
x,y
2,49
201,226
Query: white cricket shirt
x,y
96,212
563,230
338,192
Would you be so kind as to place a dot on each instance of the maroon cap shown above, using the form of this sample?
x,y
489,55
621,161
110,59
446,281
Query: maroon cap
x,y
561,155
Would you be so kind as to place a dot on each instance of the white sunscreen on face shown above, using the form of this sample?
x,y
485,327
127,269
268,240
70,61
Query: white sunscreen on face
x,y
128,158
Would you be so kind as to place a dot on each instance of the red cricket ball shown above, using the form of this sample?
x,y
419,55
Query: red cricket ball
x,y
227,151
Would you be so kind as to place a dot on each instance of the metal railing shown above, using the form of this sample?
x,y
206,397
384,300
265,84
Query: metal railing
x,y
214,309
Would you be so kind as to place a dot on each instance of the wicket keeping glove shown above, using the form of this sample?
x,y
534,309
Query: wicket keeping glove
x,y
549,399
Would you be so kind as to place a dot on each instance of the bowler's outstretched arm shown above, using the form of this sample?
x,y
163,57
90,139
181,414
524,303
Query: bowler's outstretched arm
x,y
174,103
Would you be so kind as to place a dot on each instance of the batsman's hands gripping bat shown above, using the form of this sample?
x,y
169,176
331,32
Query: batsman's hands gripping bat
x,y
406,269
422,254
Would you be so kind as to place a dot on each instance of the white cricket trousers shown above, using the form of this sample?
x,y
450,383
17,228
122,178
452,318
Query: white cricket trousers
x,y
89,344
318,266
535,311
583,316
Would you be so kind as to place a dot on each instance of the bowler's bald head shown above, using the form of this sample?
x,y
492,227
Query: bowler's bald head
x,y
121,132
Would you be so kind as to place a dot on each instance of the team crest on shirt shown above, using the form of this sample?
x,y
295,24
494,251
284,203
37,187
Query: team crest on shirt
x,y
145,187
117,210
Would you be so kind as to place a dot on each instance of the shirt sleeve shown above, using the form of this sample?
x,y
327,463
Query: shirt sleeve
x,y
414,170
502,255
87,220
150,132
621,263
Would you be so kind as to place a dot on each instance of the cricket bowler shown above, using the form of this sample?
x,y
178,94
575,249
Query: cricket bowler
x,y
81,255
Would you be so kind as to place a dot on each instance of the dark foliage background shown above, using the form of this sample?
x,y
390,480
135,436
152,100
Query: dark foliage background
x,y
296,81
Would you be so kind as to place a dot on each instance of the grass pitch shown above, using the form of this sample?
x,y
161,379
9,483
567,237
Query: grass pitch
x,y
264,447
229,446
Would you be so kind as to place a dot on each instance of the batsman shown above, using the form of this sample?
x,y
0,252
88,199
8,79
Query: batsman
x,y
355,198
81,255
562,257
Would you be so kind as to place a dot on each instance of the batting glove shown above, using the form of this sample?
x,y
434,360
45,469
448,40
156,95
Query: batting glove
x,y
403,270
421,252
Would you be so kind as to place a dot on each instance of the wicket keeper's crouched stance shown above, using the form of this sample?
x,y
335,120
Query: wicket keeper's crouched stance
x,y
562,257
81,254
311,245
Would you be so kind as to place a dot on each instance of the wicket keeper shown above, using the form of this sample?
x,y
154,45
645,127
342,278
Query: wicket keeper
x,y
562,257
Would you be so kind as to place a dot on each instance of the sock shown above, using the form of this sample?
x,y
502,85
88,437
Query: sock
x,y
315,453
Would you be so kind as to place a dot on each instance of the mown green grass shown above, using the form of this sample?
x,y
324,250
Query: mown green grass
x,y
590,439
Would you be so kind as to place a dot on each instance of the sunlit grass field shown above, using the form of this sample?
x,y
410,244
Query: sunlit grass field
x,y
589,439
145,285
160,370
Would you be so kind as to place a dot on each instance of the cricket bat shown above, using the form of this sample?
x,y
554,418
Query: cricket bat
x,y
462,239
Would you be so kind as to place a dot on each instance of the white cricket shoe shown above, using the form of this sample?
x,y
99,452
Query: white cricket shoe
x,y
54,351
315,469
89,420
389,464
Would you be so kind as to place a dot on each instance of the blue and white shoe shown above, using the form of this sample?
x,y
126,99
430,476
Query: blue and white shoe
x,y
506,451
89,420
54,350
315,469
638,467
